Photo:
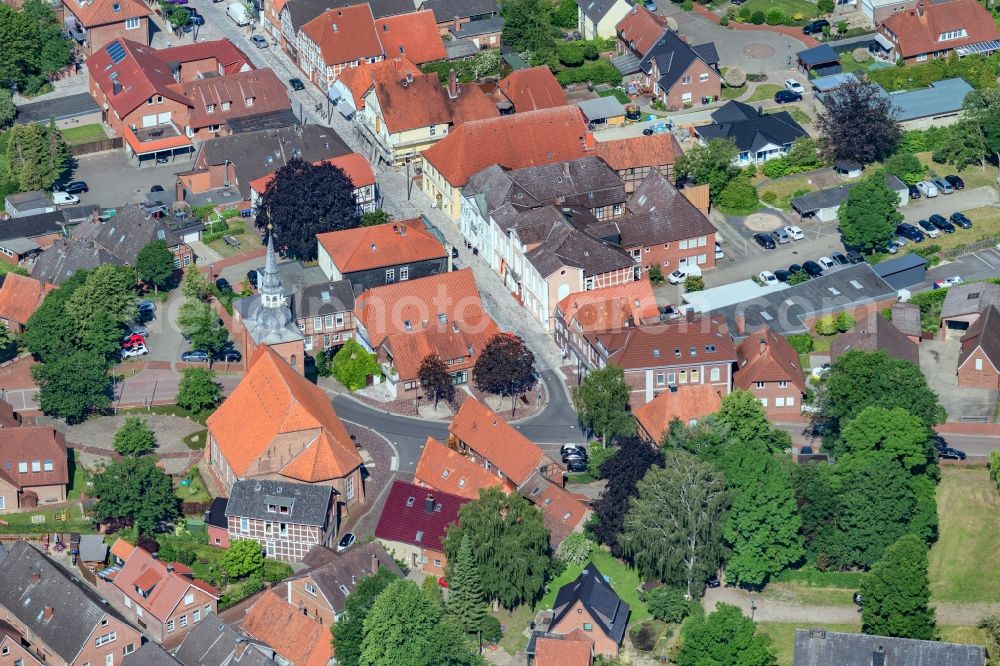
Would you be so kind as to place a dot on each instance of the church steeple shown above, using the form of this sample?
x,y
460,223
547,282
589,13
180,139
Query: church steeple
x,y
273,315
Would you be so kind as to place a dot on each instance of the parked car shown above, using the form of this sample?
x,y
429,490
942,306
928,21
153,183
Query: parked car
x,y
941,223
826,263
713,581
346,541
719,254
891,247
939,442
781,236
64,198
195,356
650,6
132,339
907,230
929,228
74,187
134,351
576,465
252,278
955,182
570,447
794,232
296,84
137,328
840,258
229,356
768,278
796,268
787,97
682,274
944,187
960,220
855,257
765,241
812,268
196,19
949,453
900,241
947,282
222,284
815,27
927,188
794,86
914,191
156,188
782,275
259,41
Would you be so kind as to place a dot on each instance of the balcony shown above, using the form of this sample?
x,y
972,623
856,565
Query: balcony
x,y
165,138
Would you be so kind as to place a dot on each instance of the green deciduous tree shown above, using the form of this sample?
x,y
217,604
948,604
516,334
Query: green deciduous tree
x,y
243,558
510,546
673,529
352,365
110,289
528,27
858,123
983,108
134,437
199,323
505,366
155,264
965,145
8,111
818,509
742,417
73,385
434,377
895,593
712,164
575,549
724,638
669,604
601,402
895,432
194,286
136,489
32,46
869,215
906,167
623,472
465,595
348,631
198,390
375,217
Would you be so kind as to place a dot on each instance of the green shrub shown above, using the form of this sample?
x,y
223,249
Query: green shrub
x,y
770,197
352,366
655,275
694,283
724,21
589,50
669,604
596,72
826,326
932,253
825,6
739,196
575,549
687,5
995,466
570,54
745,13
776,168
844,322
775,16
929,303
758,18
492,629
599,454
802,343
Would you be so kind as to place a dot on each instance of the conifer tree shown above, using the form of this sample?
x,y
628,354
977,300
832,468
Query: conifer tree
x,y
465,594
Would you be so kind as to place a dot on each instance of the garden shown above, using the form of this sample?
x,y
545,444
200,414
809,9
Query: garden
x,y
777,12
74,136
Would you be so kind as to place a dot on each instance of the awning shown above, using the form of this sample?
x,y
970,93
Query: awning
x,y
978,48
165,144
626,64
333,94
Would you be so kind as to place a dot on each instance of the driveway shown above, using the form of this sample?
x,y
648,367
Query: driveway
x,y
116,180
939,363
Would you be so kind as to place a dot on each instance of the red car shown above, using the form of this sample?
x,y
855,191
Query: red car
x,y
132,340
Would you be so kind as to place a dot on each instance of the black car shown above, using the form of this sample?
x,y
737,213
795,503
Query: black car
x,y
296,84
955,182
252,278
454,253
787,96
795,268
578,452
229,356
840,259
765,241
782,275
960,220
914,191
939,442
156,188
815,27
222,284
910,232
576,465
74,187
949,453
812,268
854,257
713,581
941,223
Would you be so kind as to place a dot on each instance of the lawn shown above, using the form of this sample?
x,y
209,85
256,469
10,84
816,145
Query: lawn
x,y
821,344
617,94
764,91
248,241
733,93
797,114
626,582
808,595
78,482
195,491
791,8
21,523
74,136
783,636
784,189
969,515
973,176
514,623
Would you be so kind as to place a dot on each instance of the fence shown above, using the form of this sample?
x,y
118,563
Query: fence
x,y
96,146
984,244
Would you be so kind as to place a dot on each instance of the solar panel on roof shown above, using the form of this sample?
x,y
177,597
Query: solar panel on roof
x,y
116,51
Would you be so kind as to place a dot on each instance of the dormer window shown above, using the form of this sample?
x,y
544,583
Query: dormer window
x,y
953,34
210,108
226,105
249,101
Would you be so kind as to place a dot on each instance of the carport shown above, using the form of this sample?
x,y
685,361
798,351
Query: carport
x,y
820,60
903,272
146,141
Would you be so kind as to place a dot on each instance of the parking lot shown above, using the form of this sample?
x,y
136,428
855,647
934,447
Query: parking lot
x,y
921,209
115,180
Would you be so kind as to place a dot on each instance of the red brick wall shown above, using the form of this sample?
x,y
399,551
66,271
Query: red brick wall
x,y
218,536
772,392
96,656
313,605
636,379
698,88
100,35
576,619
668,255
986,378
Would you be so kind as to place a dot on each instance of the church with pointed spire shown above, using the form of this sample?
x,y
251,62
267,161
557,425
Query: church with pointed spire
x,y
265,319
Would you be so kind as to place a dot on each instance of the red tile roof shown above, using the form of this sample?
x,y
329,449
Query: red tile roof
x,y
532,89
415,304
563,651
562,512
142,74
20,296
641,29
689,403
610,308
92,13
274,404
359,80
765,356
485,432
30,445
297,638
345,34
670,344
164,588
917,30
513,141
390,244
122,549
639,151
262,86
405,517
414,36
422,102
450,342
227,55
447,470
357,168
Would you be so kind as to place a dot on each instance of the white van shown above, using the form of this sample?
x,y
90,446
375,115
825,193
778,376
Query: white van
x,y
238,12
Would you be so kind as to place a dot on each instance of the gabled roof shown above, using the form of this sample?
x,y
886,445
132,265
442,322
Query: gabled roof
x,y
969,298
917,30
556,242
610,308
211,642
414,35
359,80
641,29
450,341
150,654
562,513
704,340
447,470
274,401
163,588
345,34
485,432
765,356
673,56
32,226
564,650
417,516
983,334
590,588
229,57
639,151
542,137
749,129
299,503
141,73
130,230
596,10
262,86
448,10
59,262
296,638
688,403
532,89
422,102
659,213
818,55
875,334
92,13
20,296
337,574
41,445
819,647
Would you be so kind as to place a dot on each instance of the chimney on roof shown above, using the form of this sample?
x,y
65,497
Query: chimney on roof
x,y
35,577
878,656
429,503
763,346
47,613
689,315
241,646
374,563
334,26
452,83
170,567
920,8
409,77
741,322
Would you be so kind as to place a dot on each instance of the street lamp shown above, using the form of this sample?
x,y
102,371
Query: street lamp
x,y
753,607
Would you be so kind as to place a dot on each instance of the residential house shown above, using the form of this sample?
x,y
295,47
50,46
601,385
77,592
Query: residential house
x,y
542,137
23,238
769,368
876,333
485,33
219,644
61,261
453,14
598,18
605,309
321,590
819,647
759,136
287,519
20,296
655,358
680,75
403,118
413,523
324,313
688,405
163,598
441,467
963,305
637,33
217,524
374,256
589,604
335,40
293,14
150,654
350,88
95,23
215,101
251,435
12,651
932,30
294,639
636,157
354,165
979,359
34,467
61,621
877,11
413,35
573,649
123,232
528,89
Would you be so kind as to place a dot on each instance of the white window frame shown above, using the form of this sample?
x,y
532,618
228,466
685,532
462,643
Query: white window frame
x,y
133,23
170,626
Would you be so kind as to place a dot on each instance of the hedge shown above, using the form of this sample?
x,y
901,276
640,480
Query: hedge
x,y
801,342
597,71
